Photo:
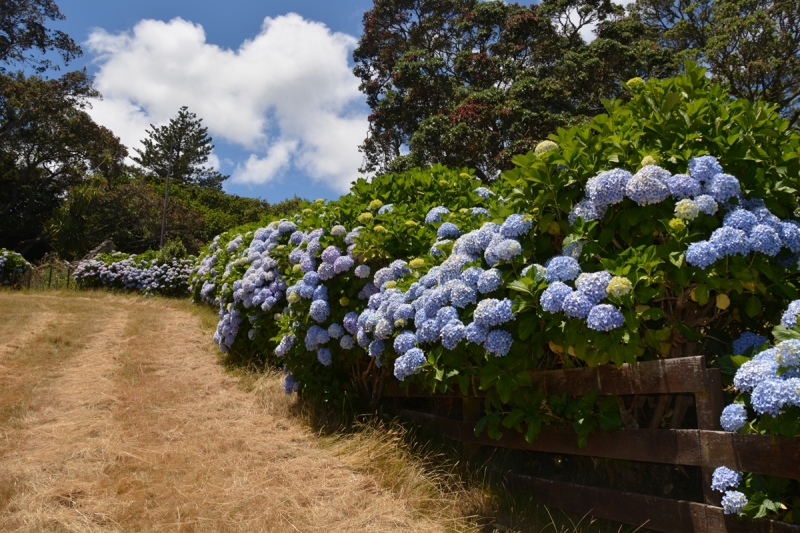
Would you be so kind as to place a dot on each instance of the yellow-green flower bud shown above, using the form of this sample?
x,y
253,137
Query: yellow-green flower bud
x,y
544,146
619,286
411,223
391,284
374,204
416,263
296,268
443,183
379,229
343,301
677,224
319,201
307,211
293,297
365,217
649,160
635,83
400,323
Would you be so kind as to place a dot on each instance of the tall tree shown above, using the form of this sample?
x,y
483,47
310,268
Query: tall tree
x,y
48,144
752,45
180,149
465,82
24,36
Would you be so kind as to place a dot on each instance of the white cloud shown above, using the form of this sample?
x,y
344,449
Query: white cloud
x,y
288,95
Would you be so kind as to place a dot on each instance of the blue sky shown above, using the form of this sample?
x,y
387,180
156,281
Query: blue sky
x,y
275,90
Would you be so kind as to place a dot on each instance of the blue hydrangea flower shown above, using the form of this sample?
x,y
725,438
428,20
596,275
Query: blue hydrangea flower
x,y
320,293
326,271
471,276
707,204
388,208
404,342
335,331
435,214
289,384
409,364
704,167
363,338
343,264
376,348
498,342
492,312
448,230
552,299
483,192
515,225
480,211
384,329
284,345
608,188
683,186
297,237
730,241
330,254
754,372
324,356
734,417
362,271
316,337
594,285
347,342
604,317
461,295
577,305
746,341
489,281
307,263
787,353
766,240
476,333
404,311
585,209
319,310
723,187
504,250
428,331
311,278
733,502
740,219
561,268
285,227
452,333
724,478
771,396
350,322
789,318
701,254
790,235
338,230
648,186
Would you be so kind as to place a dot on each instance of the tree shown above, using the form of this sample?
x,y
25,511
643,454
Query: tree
x,y
48,144
22,28
751,45
180,149
464,82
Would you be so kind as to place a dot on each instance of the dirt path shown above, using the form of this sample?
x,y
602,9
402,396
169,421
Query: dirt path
x,y
120,419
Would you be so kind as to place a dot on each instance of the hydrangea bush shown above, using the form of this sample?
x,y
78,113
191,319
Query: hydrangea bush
x,y
144,273
12,267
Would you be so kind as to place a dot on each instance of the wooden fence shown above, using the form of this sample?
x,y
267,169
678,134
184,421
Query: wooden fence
x,y
706,447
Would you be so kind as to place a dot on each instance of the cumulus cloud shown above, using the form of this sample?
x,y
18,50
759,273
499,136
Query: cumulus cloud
x,y
287,96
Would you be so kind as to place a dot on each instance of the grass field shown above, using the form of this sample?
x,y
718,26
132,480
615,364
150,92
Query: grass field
x,y
116,415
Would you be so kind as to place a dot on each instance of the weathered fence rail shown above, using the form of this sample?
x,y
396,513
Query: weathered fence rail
x,y
705,447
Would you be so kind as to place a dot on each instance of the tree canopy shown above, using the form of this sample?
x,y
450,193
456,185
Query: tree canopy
x,y
180,149
751,45
463,82
24,36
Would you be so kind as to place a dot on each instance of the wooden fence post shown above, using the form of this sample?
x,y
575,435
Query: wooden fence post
x,y
709,408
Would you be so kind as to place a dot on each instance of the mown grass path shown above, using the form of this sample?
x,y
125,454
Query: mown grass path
x,y
116,416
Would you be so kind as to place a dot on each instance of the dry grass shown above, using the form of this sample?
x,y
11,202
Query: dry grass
x,y
136,428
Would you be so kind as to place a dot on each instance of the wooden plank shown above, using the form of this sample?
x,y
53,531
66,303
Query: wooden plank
x,y
650,512
666,376
778,456
710,402
680,447
685,374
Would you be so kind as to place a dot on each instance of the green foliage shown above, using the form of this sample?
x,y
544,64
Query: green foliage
x,y
751,45
12,267
179,150
463,82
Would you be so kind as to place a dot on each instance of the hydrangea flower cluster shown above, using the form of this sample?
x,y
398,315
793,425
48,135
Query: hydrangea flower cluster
x,y
125,272
724,479
12,266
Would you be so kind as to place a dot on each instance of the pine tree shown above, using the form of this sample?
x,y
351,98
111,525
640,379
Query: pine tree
x,y
183,146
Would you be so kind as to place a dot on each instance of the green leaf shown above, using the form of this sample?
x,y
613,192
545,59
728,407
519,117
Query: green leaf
x,y
782,333
514,418
752,306
702,294
519,286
